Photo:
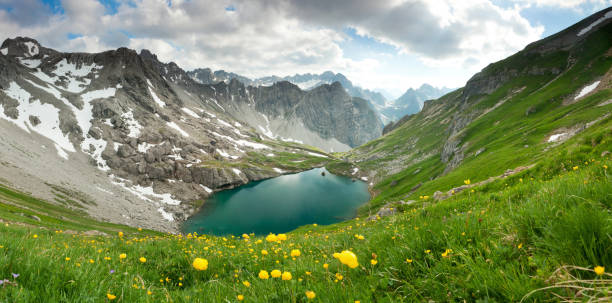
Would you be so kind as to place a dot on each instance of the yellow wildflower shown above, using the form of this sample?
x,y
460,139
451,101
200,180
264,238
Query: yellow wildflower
x,y
599,270
347,258
122,256
240,297
263,274
282,237
373,262
286,276
111,297
275,273
246,283
295,253
271,238
264,252
310,294
142,259
339,276
467,182
200,264
120,234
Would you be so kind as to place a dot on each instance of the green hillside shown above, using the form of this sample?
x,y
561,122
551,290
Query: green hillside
x,y
493,132
461,223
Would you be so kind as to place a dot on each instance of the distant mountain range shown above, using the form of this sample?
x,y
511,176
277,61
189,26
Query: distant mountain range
x,y
388,110
411,102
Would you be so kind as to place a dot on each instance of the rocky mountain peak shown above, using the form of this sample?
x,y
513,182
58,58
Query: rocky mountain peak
x,y
21,47
146,54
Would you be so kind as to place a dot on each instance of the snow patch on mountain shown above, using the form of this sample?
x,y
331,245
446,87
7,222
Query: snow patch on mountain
x,y
144,193
93,147
242,142
166,215
208,190
175,126
31,63
68,71
132,124
154,96
32,48
587,89
585,30
190,112
317,155
47,114
61,152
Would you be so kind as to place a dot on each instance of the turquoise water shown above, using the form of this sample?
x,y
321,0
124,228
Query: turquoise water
x,y
280,204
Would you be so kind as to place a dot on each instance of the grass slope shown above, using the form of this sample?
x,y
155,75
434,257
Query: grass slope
x,y
506,129
497,243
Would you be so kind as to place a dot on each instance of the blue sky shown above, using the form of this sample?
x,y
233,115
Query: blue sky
x,y
389,45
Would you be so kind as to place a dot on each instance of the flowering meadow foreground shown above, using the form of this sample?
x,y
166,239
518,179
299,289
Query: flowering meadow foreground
x,y
541,235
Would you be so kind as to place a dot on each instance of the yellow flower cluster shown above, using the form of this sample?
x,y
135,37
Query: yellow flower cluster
x,y
276,238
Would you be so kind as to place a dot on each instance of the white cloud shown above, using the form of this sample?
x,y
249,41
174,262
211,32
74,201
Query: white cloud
x,y
566,3
265,37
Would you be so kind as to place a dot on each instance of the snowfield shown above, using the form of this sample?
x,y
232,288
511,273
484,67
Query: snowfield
x,y
587,89
46,113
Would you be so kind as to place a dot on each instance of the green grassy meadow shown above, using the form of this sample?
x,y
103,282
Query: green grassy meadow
x,y
495,244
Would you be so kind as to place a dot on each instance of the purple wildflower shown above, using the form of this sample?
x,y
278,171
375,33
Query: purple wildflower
x,y
15,276
112,271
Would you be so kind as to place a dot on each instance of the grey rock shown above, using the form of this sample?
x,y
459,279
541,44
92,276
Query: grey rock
x,y
95,133
125,151
34,120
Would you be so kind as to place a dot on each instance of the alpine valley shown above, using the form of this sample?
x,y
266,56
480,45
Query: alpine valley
x,y
498,191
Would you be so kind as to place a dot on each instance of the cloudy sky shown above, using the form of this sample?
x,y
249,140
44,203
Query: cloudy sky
x,y
378,44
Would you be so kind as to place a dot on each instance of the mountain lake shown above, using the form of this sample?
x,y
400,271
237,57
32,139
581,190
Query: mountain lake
x,y
280,204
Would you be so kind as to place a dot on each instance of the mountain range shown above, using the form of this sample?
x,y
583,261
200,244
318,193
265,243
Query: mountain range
x,y
388,110
122,126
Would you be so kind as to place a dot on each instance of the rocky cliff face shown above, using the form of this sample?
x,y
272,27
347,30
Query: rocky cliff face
x,y
326,116
137,136
303,81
